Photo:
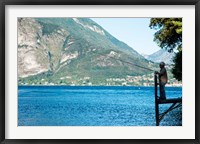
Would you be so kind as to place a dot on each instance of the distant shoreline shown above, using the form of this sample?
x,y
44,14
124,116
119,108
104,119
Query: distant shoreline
x,y
93,86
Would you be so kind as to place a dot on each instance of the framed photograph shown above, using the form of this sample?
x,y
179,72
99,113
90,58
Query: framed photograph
x,y
99,71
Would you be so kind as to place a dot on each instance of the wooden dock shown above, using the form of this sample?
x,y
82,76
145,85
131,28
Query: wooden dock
x,y
167,101
176,102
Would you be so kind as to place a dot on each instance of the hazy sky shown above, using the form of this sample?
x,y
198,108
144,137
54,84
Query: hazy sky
x,y
133,31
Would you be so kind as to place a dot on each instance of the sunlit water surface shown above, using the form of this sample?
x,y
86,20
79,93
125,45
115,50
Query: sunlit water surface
x,y
93,106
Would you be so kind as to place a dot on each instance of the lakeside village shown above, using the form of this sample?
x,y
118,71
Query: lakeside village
x,y
144,80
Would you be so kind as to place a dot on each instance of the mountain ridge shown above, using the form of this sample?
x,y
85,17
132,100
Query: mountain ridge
x,y
159,56
73,51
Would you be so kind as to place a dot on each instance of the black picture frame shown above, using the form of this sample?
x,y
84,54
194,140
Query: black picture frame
x,y
3,4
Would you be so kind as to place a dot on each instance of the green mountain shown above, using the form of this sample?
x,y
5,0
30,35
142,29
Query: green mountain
x,y
74,51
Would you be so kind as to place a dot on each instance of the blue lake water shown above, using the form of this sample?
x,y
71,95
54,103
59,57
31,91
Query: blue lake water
x,y
93,106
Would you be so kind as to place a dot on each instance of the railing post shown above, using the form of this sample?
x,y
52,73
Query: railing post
x,y
156,100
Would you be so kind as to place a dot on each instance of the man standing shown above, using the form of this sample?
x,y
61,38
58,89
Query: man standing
x,y
162,80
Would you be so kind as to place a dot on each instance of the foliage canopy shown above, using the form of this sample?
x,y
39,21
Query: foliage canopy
x,y
168,35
